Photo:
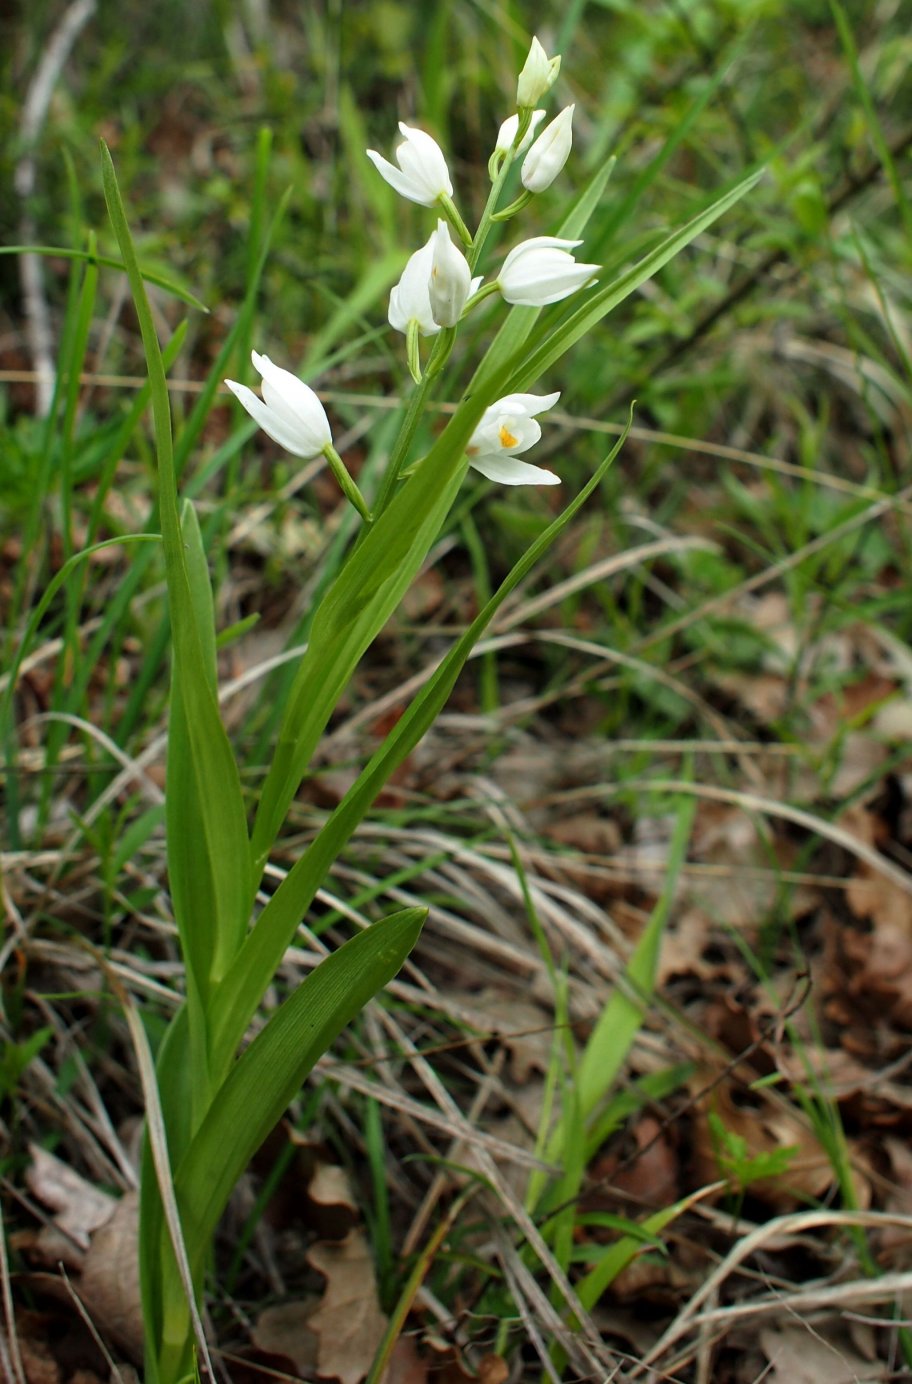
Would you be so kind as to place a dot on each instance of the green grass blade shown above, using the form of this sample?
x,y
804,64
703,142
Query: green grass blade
x,y
148,275
620,1021
875,128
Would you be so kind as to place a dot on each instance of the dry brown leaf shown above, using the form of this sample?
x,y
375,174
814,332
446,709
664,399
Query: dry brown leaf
x,y
79,1207
881,970
870,894
587,832
649,1174
284,1329
801,1355
109,1285
406,1365
741,894
348,1323
684,942
447,1367
38,1362
522,1027
334,1209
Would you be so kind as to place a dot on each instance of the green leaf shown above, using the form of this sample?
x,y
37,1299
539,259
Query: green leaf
x,y
269,1073
206,826
353,611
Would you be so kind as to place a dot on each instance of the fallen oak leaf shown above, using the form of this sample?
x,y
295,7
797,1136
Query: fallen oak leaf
x,y
348,1323
79,1207
109,1284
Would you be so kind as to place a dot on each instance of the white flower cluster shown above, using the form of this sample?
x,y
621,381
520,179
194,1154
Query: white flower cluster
x,y
437,284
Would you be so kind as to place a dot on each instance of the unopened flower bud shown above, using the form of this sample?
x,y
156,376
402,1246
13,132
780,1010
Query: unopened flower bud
x,y
450,278
549,153
538,76
508,131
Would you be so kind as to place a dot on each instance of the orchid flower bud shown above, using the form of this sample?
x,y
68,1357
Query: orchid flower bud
x,y
542,271
507,428
422,175
549,153
508,130
538,76
450,278
289,412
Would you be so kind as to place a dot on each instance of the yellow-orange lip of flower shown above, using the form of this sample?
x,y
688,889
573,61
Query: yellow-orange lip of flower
x,y
506,438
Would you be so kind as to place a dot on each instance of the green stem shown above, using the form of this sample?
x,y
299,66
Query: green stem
x,y
409,428
523,200
347,485
448,207
485,291
484,224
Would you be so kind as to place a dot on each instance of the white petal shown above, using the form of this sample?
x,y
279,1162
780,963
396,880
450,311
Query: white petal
x,y
295,402
504,435
450,278
528,403
549,153
508,471
410,299
422,158
275,427
539,242
401,182
507,132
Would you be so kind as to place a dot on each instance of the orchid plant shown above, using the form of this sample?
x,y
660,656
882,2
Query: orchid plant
x,y
208,1107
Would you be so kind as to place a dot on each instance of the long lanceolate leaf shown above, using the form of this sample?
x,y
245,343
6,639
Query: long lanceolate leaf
x,y
239,993
207,833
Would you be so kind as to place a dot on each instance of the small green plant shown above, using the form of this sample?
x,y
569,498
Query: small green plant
x,y
737,1165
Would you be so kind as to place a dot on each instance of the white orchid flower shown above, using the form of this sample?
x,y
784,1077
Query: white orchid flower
x,y
422,175
292,415
507,428
549,153
450,280
410,300
541,271
289,412
508,131
538,76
